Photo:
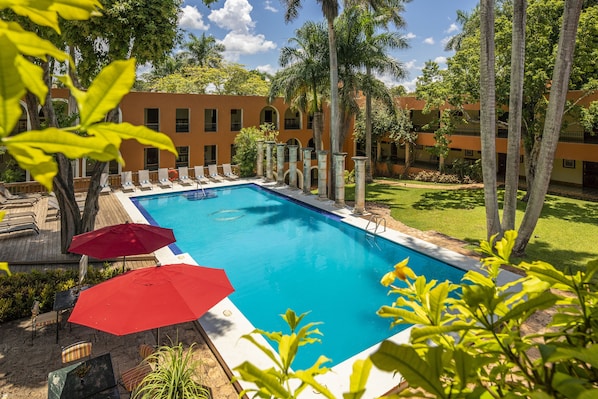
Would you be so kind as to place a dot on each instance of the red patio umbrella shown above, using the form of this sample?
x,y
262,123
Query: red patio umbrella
x,y
153,297
121,240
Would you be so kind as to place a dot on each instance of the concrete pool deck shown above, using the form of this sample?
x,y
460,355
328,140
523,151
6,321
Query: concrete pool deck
x,y
225,324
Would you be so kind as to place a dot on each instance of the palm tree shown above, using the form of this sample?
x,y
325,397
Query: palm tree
x,y
203,51
370,20
304,77
361,48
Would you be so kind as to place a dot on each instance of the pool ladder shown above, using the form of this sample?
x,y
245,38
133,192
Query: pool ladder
x,y
378,222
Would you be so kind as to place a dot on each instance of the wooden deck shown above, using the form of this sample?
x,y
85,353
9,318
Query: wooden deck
x,y
25,251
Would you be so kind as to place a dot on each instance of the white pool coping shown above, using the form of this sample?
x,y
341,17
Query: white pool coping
x,y
225,324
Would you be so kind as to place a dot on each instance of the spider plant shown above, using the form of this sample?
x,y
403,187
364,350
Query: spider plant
x,y
176,375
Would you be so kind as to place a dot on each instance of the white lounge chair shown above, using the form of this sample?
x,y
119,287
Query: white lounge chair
x,y
200,177
126,179
104,184
144,180
213,173
228,171
184,176
163,180
16,203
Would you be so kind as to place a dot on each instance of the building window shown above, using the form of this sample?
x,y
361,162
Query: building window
x,y
292,120
310,121
209,155
182,120
183,159
152,118
569,163
210,121
151,158
236,120
112,167
268,115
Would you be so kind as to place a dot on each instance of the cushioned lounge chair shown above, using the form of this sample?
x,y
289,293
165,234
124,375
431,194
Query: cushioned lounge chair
x,y
13,227
213,173
104,184
126,179
227,170
10,196
144,180
163,180
76,351
200,176
184,176
16,203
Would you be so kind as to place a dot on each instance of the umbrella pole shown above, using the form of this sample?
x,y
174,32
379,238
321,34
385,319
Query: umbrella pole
x,y
124,260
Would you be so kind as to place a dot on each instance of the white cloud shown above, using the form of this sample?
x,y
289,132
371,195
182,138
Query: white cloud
x,y
410,35
238,43
269,7
410,85
440,60
429,40
410,65
452,28
267,69
192,19
234,15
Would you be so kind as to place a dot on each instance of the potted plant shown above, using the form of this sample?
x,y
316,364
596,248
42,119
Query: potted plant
x,y
176,374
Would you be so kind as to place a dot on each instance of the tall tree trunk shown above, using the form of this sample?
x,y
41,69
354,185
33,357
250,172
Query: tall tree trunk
x,y
552,126
318,128
515,114
335,120
368,133
488,115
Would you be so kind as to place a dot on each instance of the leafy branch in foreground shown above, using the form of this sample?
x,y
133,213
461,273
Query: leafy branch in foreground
x,y
475,342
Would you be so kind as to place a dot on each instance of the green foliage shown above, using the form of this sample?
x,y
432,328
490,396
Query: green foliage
x,y
467,172
246,146
176,374
589,117
92,137
10,172
470,341
281,381
19,291
392,123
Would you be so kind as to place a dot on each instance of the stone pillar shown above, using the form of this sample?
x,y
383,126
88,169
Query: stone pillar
x,y
293,166
280,163
260,158
307,170
322,174
359,208
339,179
269,145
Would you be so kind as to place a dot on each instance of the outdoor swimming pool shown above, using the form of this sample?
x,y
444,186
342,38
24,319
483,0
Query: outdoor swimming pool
x,y
280,254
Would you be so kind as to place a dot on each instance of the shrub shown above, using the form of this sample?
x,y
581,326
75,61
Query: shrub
x,y
176,375
19,291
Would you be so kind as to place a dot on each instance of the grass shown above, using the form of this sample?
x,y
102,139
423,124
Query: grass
x,y
565,235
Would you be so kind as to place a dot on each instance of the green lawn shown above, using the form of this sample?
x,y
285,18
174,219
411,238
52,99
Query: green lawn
x,y
565,236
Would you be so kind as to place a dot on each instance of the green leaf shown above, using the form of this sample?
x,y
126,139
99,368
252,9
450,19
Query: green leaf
x,y
548,273
11,88
29,43
358,379
405,360
127,131
42,166
33,77
403,316
587,355
77,9
53,140
568,385
542,301
419,334
263,379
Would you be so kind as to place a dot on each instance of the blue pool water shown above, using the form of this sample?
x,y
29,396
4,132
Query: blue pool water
x,y
279,254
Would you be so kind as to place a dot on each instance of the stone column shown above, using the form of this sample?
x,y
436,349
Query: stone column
x,y
260,158
280,163
307,170
293,166
269,145
322,174
339,179
359,208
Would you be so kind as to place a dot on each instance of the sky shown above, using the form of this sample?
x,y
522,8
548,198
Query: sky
x,y
254,31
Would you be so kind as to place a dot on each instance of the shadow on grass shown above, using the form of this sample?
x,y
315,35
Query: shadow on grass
x,y
541,250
